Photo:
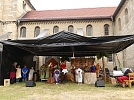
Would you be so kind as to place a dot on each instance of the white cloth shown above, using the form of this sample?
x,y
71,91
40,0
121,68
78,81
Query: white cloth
x,y
30,77
64,71
18,73
79,74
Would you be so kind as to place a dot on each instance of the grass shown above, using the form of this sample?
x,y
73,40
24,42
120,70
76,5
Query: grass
x,y
68,91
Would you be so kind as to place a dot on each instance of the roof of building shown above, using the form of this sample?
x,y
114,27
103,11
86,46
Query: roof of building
x,y
68,14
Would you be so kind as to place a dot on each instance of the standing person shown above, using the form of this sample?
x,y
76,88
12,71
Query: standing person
x,y
30,76
93,68
79,74
13,73
97,69
47,72
24,73
18,74
42,71
63,65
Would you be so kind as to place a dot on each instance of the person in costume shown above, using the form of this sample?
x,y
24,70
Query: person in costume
x,y
42,71
24,73
97,69
79,74
18,74
30,76
13,73
47,68
57,75
63,65
93,68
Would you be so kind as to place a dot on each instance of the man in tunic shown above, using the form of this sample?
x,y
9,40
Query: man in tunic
x,y
24,73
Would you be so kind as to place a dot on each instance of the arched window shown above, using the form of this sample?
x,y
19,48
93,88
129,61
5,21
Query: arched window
x,y
89,30
106,29
56,29
24,5
126,16
70,28
110,58
36,31
119,24
23,32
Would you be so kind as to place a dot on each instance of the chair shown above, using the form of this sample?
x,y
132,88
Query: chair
x,y
130,79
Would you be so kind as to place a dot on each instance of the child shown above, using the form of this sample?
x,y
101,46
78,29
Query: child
x,y
24,73
57,75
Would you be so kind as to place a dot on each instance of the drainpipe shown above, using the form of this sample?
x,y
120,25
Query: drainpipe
x,y
18,23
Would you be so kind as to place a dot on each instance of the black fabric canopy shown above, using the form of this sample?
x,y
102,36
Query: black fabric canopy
x,y
66,43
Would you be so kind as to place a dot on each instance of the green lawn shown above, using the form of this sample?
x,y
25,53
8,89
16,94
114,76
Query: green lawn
x,y
68,91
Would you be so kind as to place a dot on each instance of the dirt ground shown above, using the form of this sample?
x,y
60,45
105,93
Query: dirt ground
x,y
68,91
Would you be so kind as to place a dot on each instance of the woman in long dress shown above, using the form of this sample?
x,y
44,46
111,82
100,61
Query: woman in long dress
x,y
47,72
30,77
18,74
42,72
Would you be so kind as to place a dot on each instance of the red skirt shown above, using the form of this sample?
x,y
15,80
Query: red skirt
x,y
12,75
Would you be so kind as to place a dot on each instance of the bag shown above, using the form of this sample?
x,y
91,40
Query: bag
x,y
113,80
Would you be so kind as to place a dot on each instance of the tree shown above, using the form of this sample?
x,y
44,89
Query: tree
x,y
64,58
102,55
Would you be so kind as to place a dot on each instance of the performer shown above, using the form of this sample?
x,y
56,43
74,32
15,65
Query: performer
x,y
63,65
13,73
42,71
18,74
51,69
79,74
93,68
30,77
47,68
73,73
24,73
57,75
97,69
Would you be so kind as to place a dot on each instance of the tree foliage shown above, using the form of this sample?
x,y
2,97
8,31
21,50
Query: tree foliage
x,y
64,58
101,54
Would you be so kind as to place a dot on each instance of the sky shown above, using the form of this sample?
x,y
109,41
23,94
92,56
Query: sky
x,y
72,4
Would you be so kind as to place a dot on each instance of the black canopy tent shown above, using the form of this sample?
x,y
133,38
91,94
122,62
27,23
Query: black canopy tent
x,y
60,44
66,43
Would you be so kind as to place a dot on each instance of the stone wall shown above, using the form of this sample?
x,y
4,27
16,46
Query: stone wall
x,y
126,28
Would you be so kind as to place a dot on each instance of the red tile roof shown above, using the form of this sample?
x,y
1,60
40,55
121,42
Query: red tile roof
x,y
83,13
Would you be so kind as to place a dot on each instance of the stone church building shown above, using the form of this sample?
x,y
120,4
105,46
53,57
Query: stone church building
x,y
24,22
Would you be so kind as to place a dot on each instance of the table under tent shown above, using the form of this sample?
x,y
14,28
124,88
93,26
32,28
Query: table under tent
x,y
60,44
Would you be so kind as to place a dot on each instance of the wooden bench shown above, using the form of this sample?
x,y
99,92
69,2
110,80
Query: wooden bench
x,y
44,79
130,79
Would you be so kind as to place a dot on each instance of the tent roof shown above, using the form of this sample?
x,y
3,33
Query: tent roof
x,y
65,43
